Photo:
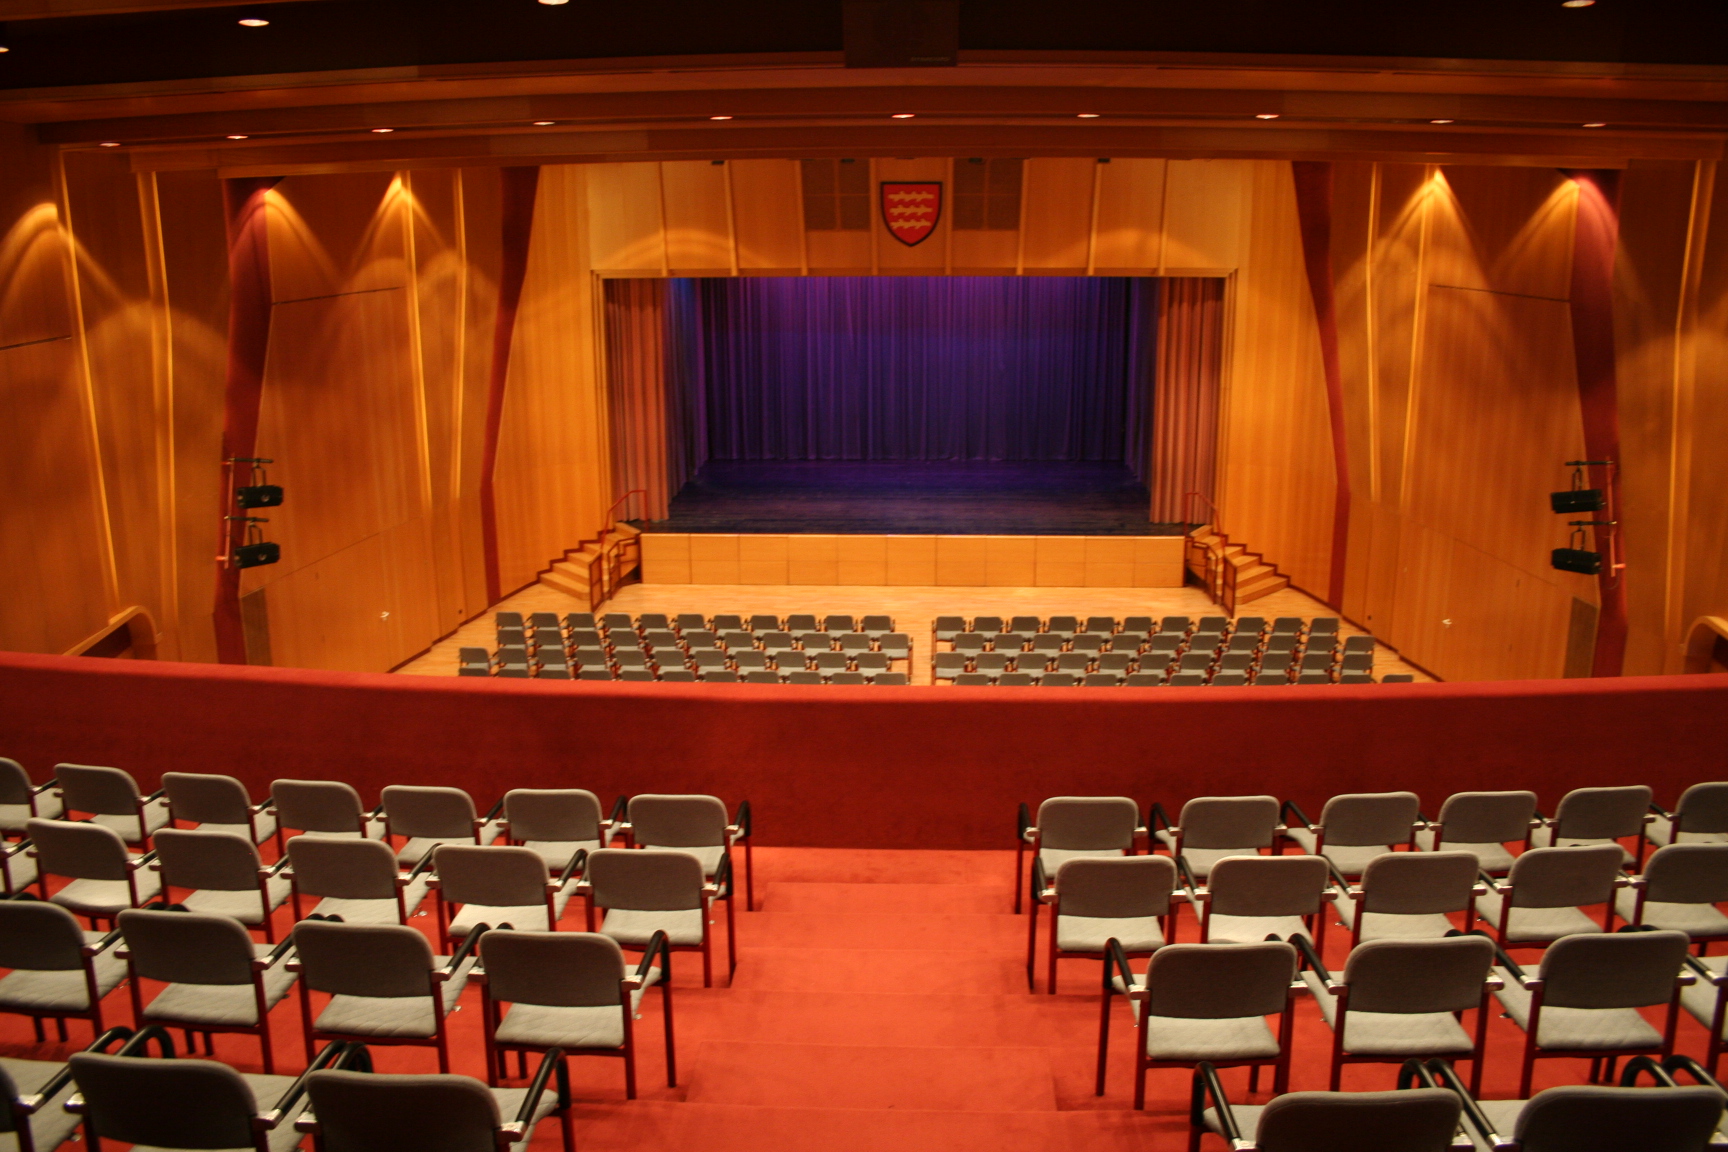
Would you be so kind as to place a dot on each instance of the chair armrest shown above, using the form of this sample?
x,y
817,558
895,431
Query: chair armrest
x,y
1473,1114
1642,1064
102,945
469,944
1040,880
277,952
1717,978
140,1040
1206,1084
1023,822
1291,808
578,863
1658,810
34,1101
620,807
490,816
153,797
1496,886
1312,958
658,945
54,782
425,865
17,849
1156,816
1337,878
1506,961
331,1053
548,1064
143,861
1679,1063
1116,962
1186,874
722,878
741,823
275,869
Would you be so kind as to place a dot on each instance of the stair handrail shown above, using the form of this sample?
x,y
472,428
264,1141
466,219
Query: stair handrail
x,y
1188,521
619,503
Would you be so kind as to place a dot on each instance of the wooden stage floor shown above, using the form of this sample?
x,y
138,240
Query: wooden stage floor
x,y
913,609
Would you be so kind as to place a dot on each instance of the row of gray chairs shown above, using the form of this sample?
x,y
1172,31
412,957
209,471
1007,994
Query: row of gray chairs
x,y
946,628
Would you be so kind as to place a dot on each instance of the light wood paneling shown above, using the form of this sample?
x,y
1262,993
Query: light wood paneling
x,y
1056,214
1507,230
768,215
1701,418
698,229
1129,231
1205,214
628,231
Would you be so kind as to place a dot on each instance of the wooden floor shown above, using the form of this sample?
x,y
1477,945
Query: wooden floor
x,y
914,609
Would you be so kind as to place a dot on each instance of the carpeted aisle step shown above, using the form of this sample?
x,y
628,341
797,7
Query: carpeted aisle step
x,y
888,898
1000,1079
810,969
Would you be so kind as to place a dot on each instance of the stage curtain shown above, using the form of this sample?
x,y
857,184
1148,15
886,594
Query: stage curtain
x,y
1189,359
651,362
917,368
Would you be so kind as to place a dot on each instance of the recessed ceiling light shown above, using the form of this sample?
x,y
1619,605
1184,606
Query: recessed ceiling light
x,y
1596,124
1441,121
1576,3
554,3
1087,115
383,129
254,22
237,137
544,123
719,117
1265,115
904,115
110,143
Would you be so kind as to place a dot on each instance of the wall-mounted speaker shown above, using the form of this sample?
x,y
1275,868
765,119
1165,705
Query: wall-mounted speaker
x,y
259,496
1577,560
256,555
1578,500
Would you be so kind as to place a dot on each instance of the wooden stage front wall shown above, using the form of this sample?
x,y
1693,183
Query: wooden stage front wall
x,y
950,561
862,767
1459,391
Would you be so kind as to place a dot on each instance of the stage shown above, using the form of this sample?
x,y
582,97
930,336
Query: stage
x,y
954,498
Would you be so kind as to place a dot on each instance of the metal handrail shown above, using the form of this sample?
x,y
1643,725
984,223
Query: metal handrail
x,y
620,502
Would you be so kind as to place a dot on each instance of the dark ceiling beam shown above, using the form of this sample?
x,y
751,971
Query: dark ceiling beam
x,y
51,9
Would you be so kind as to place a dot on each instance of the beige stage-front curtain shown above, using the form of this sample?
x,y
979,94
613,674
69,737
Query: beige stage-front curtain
x,y
655,438
1185,397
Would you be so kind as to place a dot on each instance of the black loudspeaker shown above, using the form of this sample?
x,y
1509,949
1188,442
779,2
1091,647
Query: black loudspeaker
x,y
1577,560
256,555
902,33
259,496
1577,500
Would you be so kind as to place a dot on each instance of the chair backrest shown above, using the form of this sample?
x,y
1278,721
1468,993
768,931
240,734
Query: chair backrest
x,y
1703,808
385,960
552,814
563,969
316,805
1412,1120
188,948
1487,817
1618,970
674,821
1220,981
159,1103
206,798
1087,822
1267,885
1602,813
343,869
81,851
1229,821
1444,975
1366,818
428,811
373,1112
1565,877
1419,883
495,877
106,791
15,783
1688,874
36,936
645,880
1588,1118
222,861
1115,887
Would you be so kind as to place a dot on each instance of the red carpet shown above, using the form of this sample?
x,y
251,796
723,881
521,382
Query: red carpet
x,y
869,1013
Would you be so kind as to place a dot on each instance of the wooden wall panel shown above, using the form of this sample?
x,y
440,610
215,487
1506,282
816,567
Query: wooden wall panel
x,y
482,241
1504,229
627,227
326,236
1129,232
1702,419
769,216
1205,214
848,253
698,224
1056,214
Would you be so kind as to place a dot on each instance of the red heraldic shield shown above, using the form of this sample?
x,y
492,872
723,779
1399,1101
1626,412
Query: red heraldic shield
x,y
911,210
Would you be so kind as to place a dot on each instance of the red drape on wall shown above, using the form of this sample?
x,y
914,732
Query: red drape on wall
x,y
1185,396
636,390
1314,211
520,187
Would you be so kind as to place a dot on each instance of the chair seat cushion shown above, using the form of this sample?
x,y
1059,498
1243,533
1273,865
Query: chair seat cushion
x,y
1693,919
553,1025
233,1005
52,1124
244,906
1544,838
1201,860
557,853
521,917
417,846
510,1102
1091,933
1054,858
709,854
1254,929
1661,833
264,821
1180,1038
374,831
380,911
398,1017
1489,857
1403,926
1398,1035
155,816
1578,1029
1700,999
107,897
631,926
44,991
1535,925
20,873
13,816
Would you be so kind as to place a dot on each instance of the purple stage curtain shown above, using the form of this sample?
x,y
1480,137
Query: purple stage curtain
x,y
919,368
1189,363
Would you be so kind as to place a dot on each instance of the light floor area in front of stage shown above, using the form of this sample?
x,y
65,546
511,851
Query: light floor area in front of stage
x,y
914,609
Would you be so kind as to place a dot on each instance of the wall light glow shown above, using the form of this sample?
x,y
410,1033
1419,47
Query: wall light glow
x,y
904,115
1265,115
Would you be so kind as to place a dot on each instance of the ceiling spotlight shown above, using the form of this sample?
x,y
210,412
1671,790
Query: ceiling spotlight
x,y
554,3
253,20
1441,121
1596,124
1265,115
1087,115
383,129
544,123
903,115
719,117
110,143
1576,3
237,137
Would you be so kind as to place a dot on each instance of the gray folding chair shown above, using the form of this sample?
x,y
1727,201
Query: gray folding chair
x,y
1542,897
323,808
558,822
1701,817
20,800
1706,1001
1591,816
1483,823
571,991
1400,1000
1092,900
693,824
498,885
1410,896
1248,898
225,874
105,878
33,1097
353,880
644,892
384,983
1355,828
426,816
1679,891
17,866
1591,1118
217,804
1213,827
57,971
1584,999
369,1112
1074,827
111,798
1205,1002
1408,1120
217,979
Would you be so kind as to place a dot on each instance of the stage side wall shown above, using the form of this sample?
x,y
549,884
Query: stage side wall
x,y
918,767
